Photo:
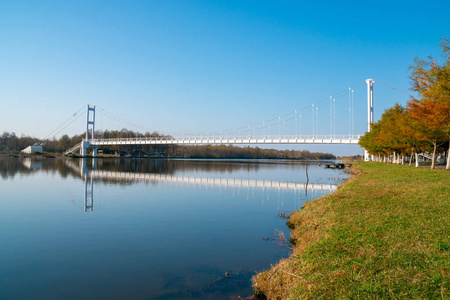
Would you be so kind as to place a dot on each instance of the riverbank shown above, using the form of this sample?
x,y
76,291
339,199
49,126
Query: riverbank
x,y
383,234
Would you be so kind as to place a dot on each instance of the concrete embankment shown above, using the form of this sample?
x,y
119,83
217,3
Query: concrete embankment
x,y
385,233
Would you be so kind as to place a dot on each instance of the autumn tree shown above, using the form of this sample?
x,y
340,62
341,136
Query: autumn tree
x,y
371,140
392,135
429,118
431,114
413,137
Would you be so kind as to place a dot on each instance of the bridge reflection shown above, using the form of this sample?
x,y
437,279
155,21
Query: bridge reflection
x,y
90,173
210,182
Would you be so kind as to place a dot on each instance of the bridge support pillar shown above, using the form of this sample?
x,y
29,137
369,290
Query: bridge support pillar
x,y
370,83
84,147
87,145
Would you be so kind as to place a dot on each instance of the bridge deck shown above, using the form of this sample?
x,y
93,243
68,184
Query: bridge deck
x,y
218,141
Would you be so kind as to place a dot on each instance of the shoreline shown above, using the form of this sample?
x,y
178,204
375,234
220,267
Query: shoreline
x,y
372,238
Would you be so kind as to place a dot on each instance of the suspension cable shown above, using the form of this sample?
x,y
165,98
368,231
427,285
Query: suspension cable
x,y
72,116
252,127
79,115
337,95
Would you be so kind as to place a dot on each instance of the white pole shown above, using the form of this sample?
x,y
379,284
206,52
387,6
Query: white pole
x,y
370,83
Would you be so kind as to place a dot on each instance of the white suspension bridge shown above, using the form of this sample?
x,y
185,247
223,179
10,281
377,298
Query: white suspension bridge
x,y
258,133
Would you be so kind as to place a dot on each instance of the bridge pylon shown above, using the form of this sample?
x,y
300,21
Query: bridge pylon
x,y
90,122
370,83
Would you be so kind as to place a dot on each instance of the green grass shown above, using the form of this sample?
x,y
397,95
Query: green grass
x,y
385,234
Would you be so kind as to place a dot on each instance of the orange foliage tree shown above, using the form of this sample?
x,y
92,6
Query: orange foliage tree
x,y
429,117
431,114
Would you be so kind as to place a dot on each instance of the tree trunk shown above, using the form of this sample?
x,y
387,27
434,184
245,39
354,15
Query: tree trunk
x,y
448,156
411,157
417,159
403,159
448,159
434,154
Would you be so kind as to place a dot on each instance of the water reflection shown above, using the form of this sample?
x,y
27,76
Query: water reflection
x,y
32,164
89,171
88,193
165,229
156,171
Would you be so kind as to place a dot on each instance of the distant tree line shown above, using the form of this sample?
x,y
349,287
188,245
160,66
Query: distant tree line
x,y
9,142
229,151
424,124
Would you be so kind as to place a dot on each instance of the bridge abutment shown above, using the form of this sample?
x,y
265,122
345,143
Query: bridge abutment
x,y
85,145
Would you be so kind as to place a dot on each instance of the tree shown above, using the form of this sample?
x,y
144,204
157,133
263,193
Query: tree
x,y
392,135
371,140
387,135
12,142
429,117
413,137
64,143
432,81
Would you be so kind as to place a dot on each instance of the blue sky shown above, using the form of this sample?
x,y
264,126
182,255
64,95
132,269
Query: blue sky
x,y
200,66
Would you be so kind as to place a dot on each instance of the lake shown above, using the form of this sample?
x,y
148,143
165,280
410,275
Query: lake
x,y
146,228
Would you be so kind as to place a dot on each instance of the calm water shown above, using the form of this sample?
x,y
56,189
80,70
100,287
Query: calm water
x,y
145,229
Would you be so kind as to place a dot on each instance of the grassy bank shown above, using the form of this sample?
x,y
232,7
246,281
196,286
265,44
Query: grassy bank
x,y
383,234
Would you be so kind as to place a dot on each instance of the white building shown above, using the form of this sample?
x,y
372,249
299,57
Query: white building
x,y
32,149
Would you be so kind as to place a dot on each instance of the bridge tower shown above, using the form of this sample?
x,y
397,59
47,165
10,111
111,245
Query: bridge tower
x,y
370,83
85,144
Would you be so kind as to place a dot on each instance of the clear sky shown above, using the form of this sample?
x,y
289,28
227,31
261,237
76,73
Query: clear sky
x,y
199,66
